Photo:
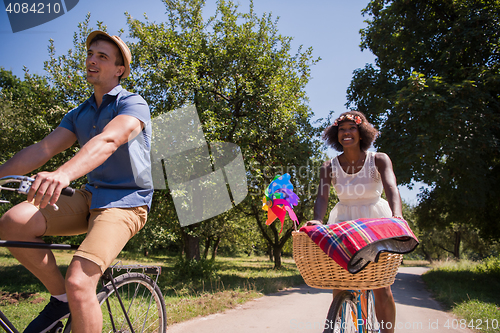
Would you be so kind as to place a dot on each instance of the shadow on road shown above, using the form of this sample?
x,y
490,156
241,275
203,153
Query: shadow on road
x,y
409,289
302,290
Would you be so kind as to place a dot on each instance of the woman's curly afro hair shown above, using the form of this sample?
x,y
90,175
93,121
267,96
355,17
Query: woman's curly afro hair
x,y
367,132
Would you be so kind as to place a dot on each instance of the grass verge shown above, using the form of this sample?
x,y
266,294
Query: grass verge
x,y
471,290
234,282
415,263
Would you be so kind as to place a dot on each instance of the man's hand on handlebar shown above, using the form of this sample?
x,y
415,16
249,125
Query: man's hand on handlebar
x,y
47,188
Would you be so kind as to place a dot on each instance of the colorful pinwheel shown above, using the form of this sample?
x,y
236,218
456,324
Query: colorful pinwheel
x,y
280,199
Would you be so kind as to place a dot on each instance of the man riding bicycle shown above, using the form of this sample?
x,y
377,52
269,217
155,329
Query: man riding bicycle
x,y
113,129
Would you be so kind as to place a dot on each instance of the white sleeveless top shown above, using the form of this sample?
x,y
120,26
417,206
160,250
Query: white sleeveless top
x,y
359,193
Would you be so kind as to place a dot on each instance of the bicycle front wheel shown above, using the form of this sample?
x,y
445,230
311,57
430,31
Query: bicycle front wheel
x,y
372,325
343,314
142,301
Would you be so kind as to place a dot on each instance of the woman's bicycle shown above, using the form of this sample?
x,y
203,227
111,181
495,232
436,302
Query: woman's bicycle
x,y
130,298
353,308
352,311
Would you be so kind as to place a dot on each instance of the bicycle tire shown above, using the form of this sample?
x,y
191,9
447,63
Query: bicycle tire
x,y
372,325
342,315
143,300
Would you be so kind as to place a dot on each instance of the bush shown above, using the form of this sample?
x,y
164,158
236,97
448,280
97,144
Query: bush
x,y
489,265
193,270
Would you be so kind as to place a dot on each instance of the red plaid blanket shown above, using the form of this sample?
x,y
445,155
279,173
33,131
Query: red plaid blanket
x,y
354,244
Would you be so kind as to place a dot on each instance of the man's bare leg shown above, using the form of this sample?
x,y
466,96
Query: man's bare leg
x,y
81,283
24,222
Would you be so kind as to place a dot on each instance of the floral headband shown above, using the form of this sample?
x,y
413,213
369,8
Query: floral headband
x,y
356,119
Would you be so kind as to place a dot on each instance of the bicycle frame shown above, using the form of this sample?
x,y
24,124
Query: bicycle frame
x,y
6,324
362,319
359,319
34,245
359,316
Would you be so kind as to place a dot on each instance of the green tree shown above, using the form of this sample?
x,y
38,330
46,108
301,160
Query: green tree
x,y
246,85
29,110
434,92
248,89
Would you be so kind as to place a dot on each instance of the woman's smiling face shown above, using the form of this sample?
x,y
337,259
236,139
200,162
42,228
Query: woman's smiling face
x,y
348,134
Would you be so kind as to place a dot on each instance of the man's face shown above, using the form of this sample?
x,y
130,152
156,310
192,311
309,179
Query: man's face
x,y
100,63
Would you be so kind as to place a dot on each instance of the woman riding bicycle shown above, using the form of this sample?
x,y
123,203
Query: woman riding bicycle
x,y
359,177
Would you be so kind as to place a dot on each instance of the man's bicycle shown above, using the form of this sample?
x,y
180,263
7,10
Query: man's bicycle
x,y
353,308
130,298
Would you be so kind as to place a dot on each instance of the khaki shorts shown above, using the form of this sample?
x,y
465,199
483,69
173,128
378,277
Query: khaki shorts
x,y
108,229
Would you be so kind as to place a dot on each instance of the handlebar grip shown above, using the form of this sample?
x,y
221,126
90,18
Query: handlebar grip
x,y
68,191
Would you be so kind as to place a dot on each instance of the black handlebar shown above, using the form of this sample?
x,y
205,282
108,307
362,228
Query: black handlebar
x,y
68,191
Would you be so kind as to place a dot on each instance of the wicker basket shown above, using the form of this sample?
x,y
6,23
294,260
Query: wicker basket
x,y
320,271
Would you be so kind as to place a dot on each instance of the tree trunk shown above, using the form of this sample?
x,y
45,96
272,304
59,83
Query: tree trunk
x,y
277,257
456,249
191,245
216,247
427,255
274,244
208,242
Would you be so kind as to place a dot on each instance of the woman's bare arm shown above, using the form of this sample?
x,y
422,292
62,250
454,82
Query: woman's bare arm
x,y
384,166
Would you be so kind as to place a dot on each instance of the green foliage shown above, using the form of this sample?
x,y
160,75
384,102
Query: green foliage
x,y
490,265
479,315
458,281
247,87
470,289
434,92
438,242
194,270
28,111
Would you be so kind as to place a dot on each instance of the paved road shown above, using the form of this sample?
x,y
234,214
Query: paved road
x,y
416,310
303,309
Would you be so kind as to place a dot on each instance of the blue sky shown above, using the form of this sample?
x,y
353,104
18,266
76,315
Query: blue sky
x,y
330,27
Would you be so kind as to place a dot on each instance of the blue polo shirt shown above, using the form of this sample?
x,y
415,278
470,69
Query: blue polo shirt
x,y
124,179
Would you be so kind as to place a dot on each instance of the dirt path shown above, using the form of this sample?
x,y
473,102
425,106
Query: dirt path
x,y
303,309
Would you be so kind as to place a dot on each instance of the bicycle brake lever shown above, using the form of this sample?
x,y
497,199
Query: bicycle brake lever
x,y
23,188
11,179
25,185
